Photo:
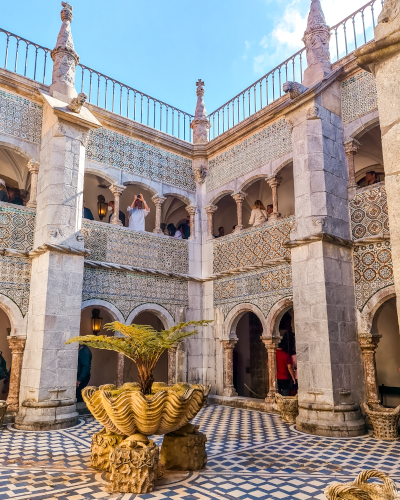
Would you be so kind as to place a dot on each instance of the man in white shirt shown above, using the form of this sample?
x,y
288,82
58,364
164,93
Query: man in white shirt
x,y
137,214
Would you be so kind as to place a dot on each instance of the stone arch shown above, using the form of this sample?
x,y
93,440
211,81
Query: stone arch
x,y
219,196
181,197
366,317
251,180
114,312
165,317
18,322
101,173
282,166
358,128
27,151
275,315
142,185
234,316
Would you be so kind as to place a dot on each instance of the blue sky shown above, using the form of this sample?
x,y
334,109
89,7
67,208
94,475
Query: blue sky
x,y
163,47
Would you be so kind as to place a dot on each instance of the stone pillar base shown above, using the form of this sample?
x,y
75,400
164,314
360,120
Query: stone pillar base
x,y
184,449
340,421
230,392
46,415
103,444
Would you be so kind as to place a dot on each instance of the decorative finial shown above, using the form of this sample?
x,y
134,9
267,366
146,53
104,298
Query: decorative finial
x,y
316,39
200,124
64,57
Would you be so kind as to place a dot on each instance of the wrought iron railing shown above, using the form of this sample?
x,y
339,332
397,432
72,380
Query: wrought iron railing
x,y
33,61
352,32
108,93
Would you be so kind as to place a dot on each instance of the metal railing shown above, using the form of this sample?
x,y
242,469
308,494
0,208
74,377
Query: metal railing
x,y
33,61
110,94
346,36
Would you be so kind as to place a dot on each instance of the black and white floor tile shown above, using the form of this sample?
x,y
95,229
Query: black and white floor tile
x,y
251,456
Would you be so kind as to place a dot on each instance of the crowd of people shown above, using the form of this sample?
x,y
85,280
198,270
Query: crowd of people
x,y
138,210
13,195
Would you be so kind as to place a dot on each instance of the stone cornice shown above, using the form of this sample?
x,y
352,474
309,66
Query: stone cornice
x,y
22,86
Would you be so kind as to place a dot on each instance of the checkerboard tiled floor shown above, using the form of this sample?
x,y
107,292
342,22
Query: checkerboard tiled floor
x,y
251,456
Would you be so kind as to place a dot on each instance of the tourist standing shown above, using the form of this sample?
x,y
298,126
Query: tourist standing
x,y
173,232
137,214
3,191
259,214
121,215
284,369
84,368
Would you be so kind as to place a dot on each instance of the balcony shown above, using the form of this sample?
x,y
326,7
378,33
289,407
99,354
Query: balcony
x,y
120,245
253,247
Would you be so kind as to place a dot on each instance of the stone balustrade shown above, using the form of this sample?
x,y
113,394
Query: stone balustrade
x,y
120,245
369,212
16,227
253,246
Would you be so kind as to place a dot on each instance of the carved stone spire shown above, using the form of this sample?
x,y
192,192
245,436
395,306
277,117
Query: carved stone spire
x,y
64,57
200,124
316,39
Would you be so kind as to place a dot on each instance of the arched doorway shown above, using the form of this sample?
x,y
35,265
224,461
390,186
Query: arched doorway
x,y
369,156
388,352
250,371
5,329
161,370
14,172
104,363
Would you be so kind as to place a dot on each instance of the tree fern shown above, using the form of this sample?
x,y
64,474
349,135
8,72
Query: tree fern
x,y
141,343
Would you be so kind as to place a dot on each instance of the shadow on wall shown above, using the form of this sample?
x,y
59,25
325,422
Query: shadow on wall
x,y
161,370
5,325
104,363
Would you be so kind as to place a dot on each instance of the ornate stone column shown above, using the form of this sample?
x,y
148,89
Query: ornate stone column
x,y
33,167
210,209
229,388
120,369
64,57
270,344
17,346
368,344
273,183
192,210
116,191
158,200
172,365
239,198
350,148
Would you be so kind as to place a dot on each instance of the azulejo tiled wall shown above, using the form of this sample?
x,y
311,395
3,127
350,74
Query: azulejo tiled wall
x,y
252,246
16,227
20,117
369,212
109,243
15,277
140,158
261,288
359,96
127,290
373,270
257,150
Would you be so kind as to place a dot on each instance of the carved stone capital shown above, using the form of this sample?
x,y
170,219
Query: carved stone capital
x,y
229,344
158,199
17,345
210,209
33,166
351,146
191,209
274,181
239,196
116,189
368,342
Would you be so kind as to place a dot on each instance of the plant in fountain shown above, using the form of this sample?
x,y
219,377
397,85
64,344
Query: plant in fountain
x,y
142,344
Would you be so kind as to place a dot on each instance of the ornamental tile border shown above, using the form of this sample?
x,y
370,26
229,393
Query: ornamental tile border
x,y
140,158
16,227
359,96
373,270
253,245
126,291
252,153
369,213
109,243
20,117
260,288
15,278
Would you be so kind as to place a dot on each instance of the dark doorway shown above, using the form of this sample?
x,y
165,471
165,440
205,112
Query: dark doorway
x,y
250,370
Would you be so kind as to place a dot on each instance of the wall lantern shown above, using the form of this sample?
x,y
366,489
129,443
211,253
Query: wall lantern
x,y
96,321
101,206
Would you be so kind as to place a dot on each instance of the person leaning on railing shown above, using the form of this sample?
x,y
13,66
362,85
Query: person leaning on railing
x,y
137,214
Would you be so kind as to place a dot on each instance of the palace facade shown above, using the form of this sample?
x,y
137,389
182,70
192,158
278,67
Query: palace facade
x,y
302,139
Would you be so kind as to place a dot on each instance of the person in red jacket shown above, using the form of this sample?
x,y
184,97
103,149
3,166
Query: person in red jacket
x,y
284,369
